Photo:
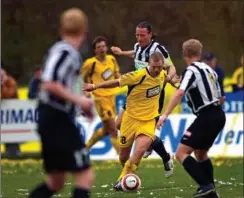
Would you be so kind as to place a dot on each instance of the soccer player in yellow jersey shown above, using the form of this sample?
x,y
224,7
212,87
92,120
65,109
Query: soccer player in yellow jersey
x,y
139,119
100,68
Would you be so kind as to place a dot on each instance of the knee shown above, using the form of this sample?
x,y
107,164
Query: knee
x,y
56,185
85,179
201,155
180,155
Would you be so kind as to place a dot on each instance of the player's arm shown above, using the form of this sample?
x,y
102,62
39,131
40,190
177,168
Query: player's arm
x,y
107,84
187,80
118,51
126,79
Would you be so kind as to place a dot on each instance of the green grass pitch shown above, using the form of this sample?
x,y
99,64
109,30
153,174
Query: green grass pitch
x,y
20,176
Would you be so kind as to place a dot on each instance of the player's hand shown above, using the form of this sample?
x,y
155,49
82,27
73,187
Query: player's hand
x,y
161,121
87,94
87,105
116,50
89,87
175,80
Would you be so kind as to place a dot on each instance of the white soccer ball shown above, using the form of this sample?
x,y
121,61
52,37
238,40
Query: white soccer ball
x,y
130,182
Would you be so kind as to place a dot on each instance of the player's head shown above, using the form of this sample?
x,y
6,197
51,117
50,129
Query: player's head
x,y
100,47
192,49
73,24
210,59
156,63
144,33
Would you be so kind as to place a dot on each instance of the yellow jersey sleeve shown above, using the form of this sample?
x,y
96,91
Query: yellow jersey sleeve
x,y
86,70
132,78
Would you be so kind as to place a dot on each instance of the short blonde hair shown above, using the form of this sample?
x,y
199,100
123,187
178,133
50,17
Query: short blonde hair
x,y
73,22
191,48
157,56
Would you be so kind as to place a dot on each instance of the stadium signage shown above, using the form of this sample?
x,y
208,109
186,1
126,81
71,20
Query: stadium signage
x,y
19,117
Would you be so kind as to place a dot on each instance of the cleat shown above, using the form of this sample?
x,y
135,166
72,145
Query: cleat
x,y
169,167
205,191
117,186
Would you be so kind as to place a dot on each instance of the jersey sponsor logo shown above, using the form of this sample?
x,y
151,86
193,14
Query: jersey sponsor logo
x,y
153,91
140,64
107,74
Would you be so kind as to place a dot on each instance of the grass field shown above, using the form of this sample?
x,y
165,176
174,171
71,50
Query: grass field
x,y
20,176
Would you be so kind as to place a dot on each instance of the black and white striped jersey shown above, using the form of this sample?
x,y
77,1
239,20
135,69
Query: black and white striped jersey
x,y
62,65
200,83
142,55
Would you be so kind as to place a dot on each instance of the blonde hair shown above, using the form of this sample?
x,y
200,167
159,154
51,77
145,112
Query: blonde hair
x,y
191,48
73,22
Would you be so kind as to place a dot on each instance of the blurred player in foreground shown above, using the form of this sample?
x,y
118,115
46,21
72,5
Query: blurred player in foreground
x,y
139,119
200,84
62,148
143,49
100,68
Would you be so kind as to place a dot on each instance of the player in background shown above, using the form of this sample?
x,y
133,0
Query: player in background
x,y
143,49
140,117
200,84
100,68
62,148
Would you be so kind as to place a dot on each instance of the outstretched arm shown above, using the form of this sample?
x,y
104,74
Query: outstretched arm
x,y
106,84
118,51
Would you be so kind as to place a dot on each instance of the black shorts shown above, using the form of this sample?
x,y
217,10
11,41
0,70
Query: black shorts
x,y
205,128
62,148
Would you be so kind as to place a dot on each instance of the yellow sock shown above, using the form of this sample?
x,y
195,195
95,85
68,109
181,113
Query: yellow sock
x,y
115,143
96,136
128,168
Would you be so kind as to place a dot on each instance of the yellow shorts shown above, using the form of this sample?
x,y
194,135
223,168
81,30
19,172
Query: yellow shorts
x,y
105,106
131,128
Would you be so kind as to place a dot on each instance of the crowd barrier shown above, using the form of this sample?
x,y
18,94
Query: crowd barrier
x,y
19,117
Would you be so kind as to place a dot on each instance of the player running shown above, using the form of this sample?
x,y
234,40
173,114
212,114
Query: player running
x,y
200,84
139,119
100,68
143,49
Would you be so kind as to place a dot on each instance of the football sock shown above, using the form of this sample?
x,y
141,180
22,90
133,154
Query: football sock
x,y
159,148
96,136
195,171
115,143
42,191
79,192
128,168
207,168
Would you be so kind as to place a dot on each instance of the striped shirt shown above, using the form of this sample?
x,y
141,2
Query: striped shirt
x,y
62,65
142,55
200,83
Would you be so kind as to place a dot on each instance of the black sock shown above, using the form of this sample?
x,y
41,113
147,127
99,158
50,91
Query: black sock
x,y
42,191
159,148
207,168
80,192
195,171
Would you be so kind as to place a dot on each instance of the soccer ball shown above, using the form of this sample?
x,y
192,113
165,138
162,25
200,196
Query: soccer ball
x,y
130,182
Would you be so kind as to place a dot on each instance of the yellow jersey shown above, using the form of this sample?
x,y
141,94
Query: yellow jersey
x,y
143,93
95,71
